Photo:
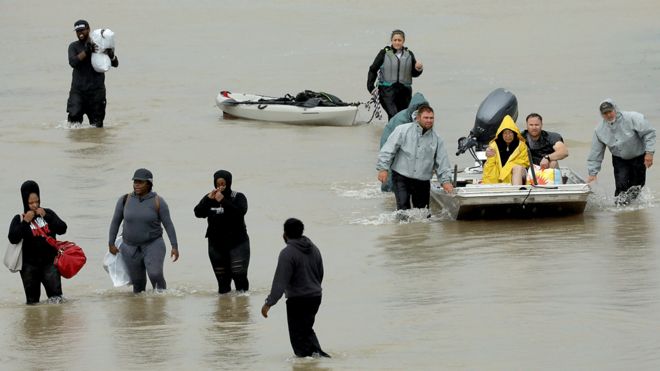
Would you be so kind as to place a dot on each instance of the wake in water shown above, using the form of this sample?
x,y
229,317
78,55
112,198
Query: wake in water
x,y
404,217
77,126
626,201
361,191
371,191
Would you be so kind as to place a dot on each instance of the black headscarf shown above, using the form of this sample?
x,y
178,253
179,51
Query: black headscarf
x,y
226,175
504,149
27,188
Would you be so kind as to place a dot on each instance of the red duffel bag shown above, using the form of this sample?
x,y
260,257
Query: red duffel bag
x,y
70,257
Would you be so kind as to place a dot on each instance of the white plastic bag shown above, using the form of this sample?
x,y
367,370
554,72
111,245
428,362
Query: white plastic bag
x,y
116,268
104,39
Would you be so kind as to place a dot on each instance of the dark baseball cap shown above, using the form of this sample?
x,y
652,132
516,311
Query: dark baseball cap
x,y
606,107
143,174
80,25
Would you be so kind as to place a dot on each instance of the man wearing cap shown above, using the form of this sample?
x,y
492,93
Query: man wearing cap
x,y
631,140
412,153
87,94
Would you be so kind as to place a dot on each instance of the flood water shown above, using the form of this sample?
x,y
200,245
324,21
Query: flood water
x,y
580,292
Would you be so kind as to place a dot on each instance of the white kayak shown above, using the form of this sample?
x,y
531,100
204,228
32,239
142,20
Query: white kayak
x,y
285,110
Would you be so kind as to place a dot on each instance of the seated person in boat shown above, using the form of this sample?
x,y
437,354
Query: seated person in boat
x,y
510,160
547,147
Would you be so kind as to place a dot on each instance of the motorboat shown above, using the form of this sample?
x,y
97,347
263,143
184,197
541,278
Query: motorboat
x,y
306,108
565,194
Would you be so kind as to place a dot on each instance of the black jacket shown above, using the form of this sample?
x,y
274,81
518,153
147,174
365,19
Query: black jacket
x,y
36,251
84,77
226,219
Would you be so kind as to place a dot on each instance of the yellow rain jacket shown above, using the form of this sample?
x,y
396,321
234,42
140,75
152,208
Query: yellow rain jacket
x,y
494,171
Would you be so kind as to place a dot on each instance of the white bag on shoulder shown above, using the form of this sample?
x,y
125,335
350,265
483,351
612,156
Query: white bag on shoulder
x,y
14,256
104,39
116,268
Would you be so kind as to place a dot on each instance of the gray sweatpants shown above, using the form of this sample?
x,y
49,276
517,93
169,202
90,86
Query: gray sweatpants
x,y
145,260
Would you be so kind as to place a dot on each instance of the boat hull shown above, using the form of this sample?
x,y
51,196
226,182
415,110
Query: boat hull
x,y
289,114
496,201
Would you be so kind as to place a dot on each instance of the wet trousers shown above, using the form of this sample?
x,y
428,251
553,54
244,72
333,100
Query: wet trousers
x,y
231,264
90,103
628,174
394,98
34,276
300,316
405,189
145,260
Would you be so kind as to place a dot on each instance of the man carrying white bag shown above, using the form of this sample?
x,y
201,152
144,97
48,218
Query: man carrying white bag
x,y
89,59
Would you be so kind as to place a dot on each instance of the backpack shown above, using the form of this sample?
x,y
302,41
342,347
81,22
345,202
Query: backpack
x,y
157,202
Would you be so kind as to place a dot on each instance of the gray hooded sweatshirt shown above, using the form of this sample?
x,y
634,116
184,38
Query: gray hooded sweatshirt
x,y
299,271
629,136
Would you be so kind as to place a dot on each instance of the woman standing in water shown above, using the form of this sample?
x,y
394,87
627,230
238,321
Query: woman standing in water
x,y
38,256
144,214
228,241
397,66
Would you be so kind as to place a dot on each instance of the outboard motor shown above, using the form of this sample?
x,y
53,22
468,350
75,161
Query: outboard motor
x,y
499,103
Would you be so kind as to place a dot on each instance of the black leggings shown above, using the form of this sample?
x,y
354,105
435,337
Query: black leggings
x,y
231,264
394,98
34,276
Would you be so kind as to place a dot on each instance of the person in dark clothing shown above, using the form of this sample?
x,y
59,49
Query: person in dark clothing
x,y
397,66
38,256
298,275
87,94
228,240
547,147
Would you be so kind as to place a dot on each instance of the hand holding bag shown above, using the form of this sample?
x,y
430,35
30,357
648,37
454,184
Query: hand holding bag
x,y
115,266
70,257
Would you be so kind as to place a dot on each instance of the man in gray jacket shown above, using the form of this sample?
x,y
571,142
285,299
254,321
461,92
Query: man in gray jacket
x,y
413,152
298,275
631,140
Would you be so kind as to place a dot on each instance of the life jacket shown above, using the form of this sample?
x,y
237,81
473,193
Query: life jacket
x,y
396,69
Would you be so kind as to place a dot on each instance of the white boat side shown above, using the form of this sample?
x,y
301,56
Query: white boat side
x,y
330,116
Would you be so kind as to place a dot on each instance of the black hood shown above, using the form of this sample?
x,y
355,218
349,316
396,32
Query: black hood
x,y
27,188
226,175
303,244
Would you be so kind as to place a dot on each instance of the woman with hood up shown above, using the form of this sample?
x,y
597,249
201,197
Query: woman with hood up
x,y
38,256
144,214
510,161
228,240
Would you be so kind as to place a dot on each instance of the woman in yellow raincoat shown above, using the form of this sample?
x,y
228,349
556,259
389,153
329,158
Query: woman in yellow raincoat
x,y
510,161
